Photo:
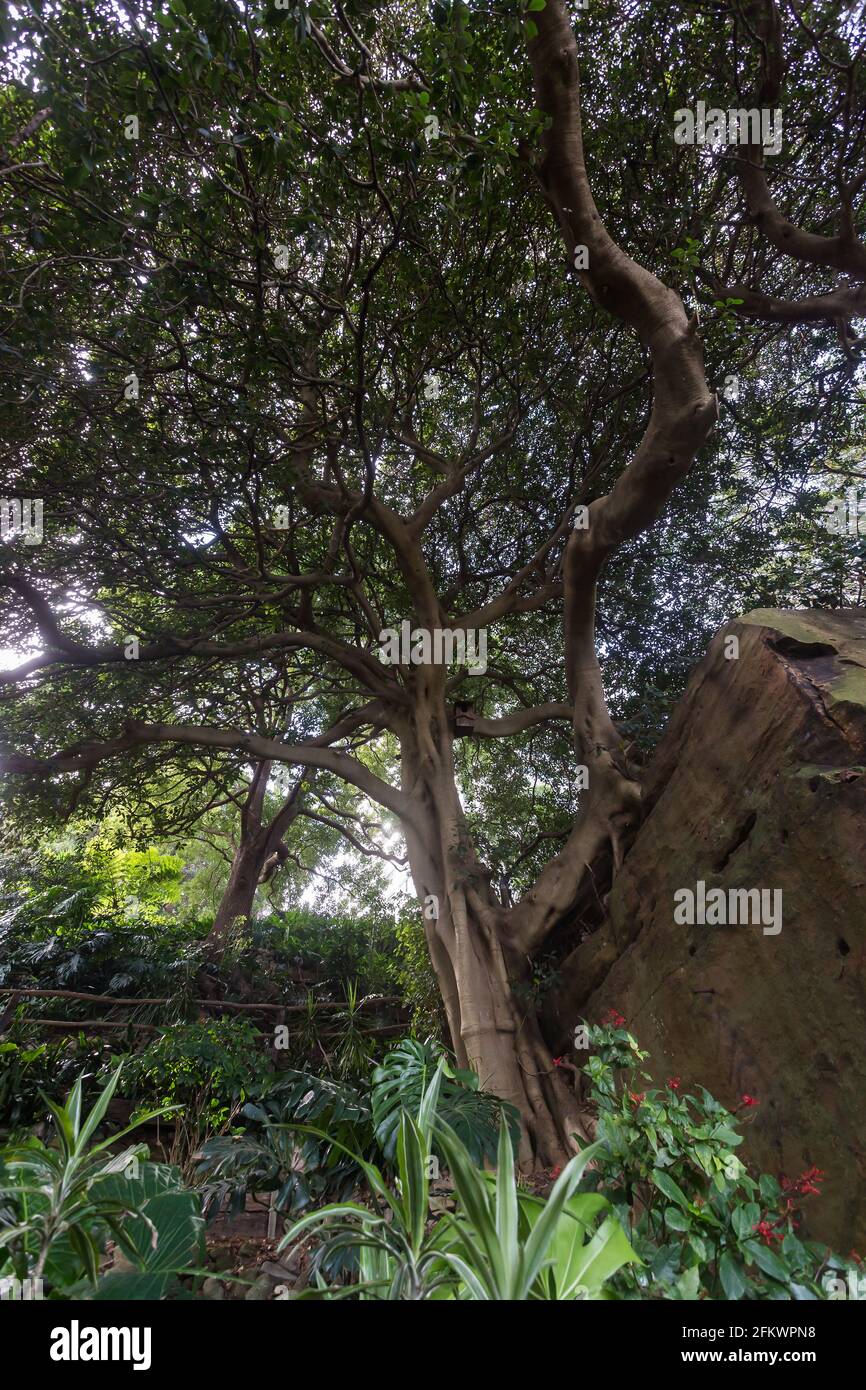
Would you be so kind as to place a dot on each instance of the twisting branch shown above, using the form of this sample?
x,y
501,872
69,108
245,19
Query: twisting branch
x,y
517,721
845,251
84,756
683,412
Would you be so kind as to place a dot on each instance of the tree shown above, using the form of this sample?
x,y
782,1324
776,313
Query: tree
x,y
299,370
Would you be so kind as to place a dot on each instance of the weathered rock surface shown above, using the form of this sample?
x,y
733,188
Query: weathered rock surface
x,y
759,782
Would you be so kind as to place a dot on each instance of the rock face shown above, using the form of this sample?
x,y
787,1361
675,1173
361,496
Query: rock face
x,y
759,782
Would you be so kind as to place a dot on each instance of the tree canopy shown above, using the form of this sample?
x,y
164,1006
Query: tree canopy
x,y
322,318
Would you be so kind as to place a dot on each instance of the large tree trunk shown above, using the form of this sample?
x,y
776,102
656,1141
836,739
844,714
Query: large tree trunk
x,y
472,944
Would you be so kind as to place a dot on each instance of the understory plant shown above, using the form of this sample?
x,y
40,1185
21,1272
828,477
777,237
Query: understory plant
x,y
267,1157
208,1069
498,1244
60,1204
306,1136
28,1067
704,1226
474,1115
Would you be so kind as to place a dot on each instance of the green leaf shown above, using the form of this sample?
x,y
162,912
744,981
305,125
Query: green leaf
x,y
607,1252
742,1222
166,1236
400,1082
85,1246
665,1183
506,1196
767,1260
769,1189
411,1166
727,1136
675,1219
74,175
794,1250
699,1245
733,1279
97,1114
689,1283
429,1102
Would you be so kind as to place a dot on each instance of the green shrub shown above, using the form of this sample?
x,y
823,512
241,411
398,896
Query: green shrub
x,y
417,983
702,1224
308,1135
269,1156
213,1067
27,1068
474,1115
209,1070
338,948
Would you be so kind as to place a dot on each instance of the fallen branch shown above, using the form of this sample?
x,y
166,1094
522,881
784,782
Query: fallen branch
x,y
325,1005
92,1025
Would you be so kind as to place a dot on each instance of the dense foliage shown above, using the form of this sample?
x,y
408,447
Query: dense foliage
x,y
326,321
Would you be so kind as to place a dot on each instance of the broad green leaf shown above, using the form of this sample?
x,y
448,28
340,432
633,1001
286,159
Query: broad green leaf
x,y
731,1274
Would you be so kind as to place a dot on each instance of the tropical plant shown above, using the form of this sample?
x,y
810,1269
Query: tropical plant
x,y
95,915
161,1237
334,1121
507,1245
417,982
353,1053
400,1258
28,1068
400,1083
60,1205
269,1156
500,1244
338,946
210,1069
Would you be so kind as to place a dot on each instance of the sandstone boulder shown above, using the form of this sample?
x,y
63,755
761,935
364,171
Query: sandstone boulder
x,y
759,782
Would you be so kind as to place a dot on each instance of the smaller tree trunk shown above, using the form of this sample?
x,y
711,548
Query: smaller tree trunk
x,y
236,904
252,863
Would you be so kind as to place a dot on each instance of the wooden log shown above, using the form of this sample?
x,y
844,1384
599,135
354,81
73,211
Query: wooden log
x,y
385,1001
83,1025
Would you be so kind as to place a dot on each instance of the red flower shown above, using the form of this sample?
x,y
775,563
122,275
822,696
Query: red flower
x,y
804,1186
852,1255
749,1101
555,1172
674,1083
557,1061
766,1232
614,1019
637,1096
